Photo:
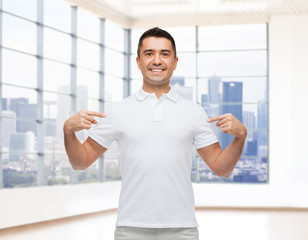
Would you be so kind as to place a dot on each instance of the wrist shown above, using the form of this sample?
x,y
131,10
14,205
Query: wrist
x,y
66,128
242,135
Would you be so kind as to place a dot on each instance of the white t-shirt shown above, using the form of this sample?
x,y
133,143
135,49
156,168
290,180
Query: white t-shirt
x,y
155,138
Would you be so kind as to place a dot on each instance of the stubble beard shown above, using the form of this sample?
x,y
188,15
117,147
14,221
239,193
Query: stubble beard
x,y
156,83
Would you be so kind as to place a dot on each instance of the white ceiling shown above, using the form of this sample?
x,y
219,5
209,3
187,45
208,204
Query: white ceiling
x,y
145,13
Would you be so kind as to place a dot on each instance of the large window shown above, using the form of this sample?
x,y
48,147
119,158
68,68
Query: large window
x,y
56,60
53,65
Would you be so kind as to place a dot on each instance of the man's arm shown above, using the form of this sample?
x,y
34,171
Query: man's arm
x,y
80,155
222,162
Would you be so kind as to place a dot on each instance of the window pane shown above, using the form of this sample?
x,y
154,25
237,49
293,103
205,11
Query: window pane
x,y
19,103
88,25
57,14
19,169
25,66
57,168
8,127
57,45
244,63
113,89
87,104
186,87
233,37
87,55
136,34
114,63
184,37
186,65
56,75
52,142
135,72
93,105
14,129
89,80
19,34
250,169
20,100
89,175
25,9
57,108
114,36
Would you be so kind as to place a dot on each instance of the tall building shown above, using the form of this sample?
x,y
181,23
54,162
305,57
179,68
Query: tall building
x,y
20,143
177,81
4,104
178,84
262,125
214,89
8,126
63,105
50,118
214,95
232,103
205,102
23,109
249,121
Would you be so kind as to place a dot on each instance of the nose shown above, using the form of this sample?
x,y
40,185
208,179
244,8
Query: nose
x,y
156,60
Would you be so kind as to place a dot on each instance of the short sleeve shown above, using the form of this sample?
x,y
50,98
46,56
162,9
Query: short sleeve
x,y
204,134
104,133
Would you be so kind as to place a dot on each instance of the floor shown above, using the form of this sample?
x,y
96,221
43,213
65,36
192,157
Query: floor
x,y
214,224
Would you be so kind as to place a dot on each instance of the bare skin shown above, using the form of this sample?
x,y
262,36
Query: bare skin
x,y
222,162
157,62
80,155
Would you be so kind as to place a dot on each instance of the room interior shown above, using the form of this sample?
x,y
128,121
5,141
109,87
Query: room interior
x,y
277,209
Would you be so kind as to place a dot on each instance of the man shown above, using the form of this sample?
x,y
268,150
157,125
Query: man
x,y
155,130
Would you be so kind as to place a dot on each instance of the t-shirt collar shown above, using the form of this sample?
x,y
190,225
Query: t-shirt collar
x,y
172,94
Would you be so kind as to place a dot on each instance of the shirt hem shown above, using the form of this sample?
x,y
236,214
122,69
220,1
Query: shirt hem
x,y
207,144
99,141
188,225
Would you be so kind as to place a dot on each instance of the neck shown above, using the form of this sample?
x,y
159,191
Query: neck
x,y
159,90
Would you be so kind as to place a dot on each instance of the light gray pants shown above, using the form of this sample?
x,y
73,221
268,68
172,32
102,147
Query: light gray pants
x,y
138,233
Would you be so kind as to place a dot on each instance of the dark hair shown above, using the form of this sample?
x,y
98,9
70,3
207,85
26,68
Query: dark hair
x,y
158,33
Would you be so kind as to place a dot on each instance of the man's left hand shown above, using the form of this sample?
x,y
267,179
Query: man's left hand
x,y
229,124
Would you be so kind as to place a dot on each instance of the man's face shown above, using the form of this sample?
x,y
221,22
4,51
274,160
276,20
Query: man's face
x,y
157,61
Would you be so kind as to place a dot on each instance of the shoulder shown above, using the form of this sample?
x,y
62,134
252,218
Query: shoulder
x,y
119,107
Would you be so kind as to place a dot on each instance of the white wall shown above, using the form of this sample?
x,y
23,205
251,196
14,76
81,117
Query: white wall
x,y
288,150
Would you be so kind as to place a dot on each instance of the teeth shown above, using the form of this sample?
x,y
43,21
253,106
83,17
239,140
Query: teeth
x,y
157,70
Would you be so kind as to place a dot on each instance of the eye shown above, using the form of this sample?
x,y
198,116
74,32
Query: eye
x,y
165,54
149,54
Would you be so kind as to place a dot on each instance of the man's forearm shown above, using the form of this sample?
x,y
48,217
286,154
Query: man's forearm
x,y
228,158
75,151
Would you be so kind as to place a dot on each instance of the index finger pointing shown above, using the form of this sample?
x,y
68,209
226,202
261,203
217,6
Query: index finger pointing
x,y
217,118
95,114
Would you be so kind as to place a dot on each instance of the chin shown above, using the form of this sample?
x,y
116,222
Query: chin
x,y
157,82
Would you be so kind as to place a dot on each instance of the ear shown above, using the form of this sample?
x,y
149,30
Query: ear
x,y
138,63
176,62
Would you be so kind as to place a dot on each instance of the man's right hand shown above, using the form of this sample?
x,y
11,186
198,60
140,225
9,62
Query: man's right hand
x,y
81,120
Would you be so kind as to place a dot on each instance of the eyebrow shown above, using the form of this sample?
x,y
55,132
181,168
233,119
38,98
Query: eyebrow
x,y
151,50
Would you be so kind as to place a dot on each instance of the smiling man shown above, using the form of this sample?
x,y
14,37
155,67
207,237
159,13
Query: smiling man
x,y
155,130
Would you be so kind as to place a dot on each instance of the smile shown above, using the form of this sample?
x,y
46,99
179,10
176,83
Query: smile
x,y
157,70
